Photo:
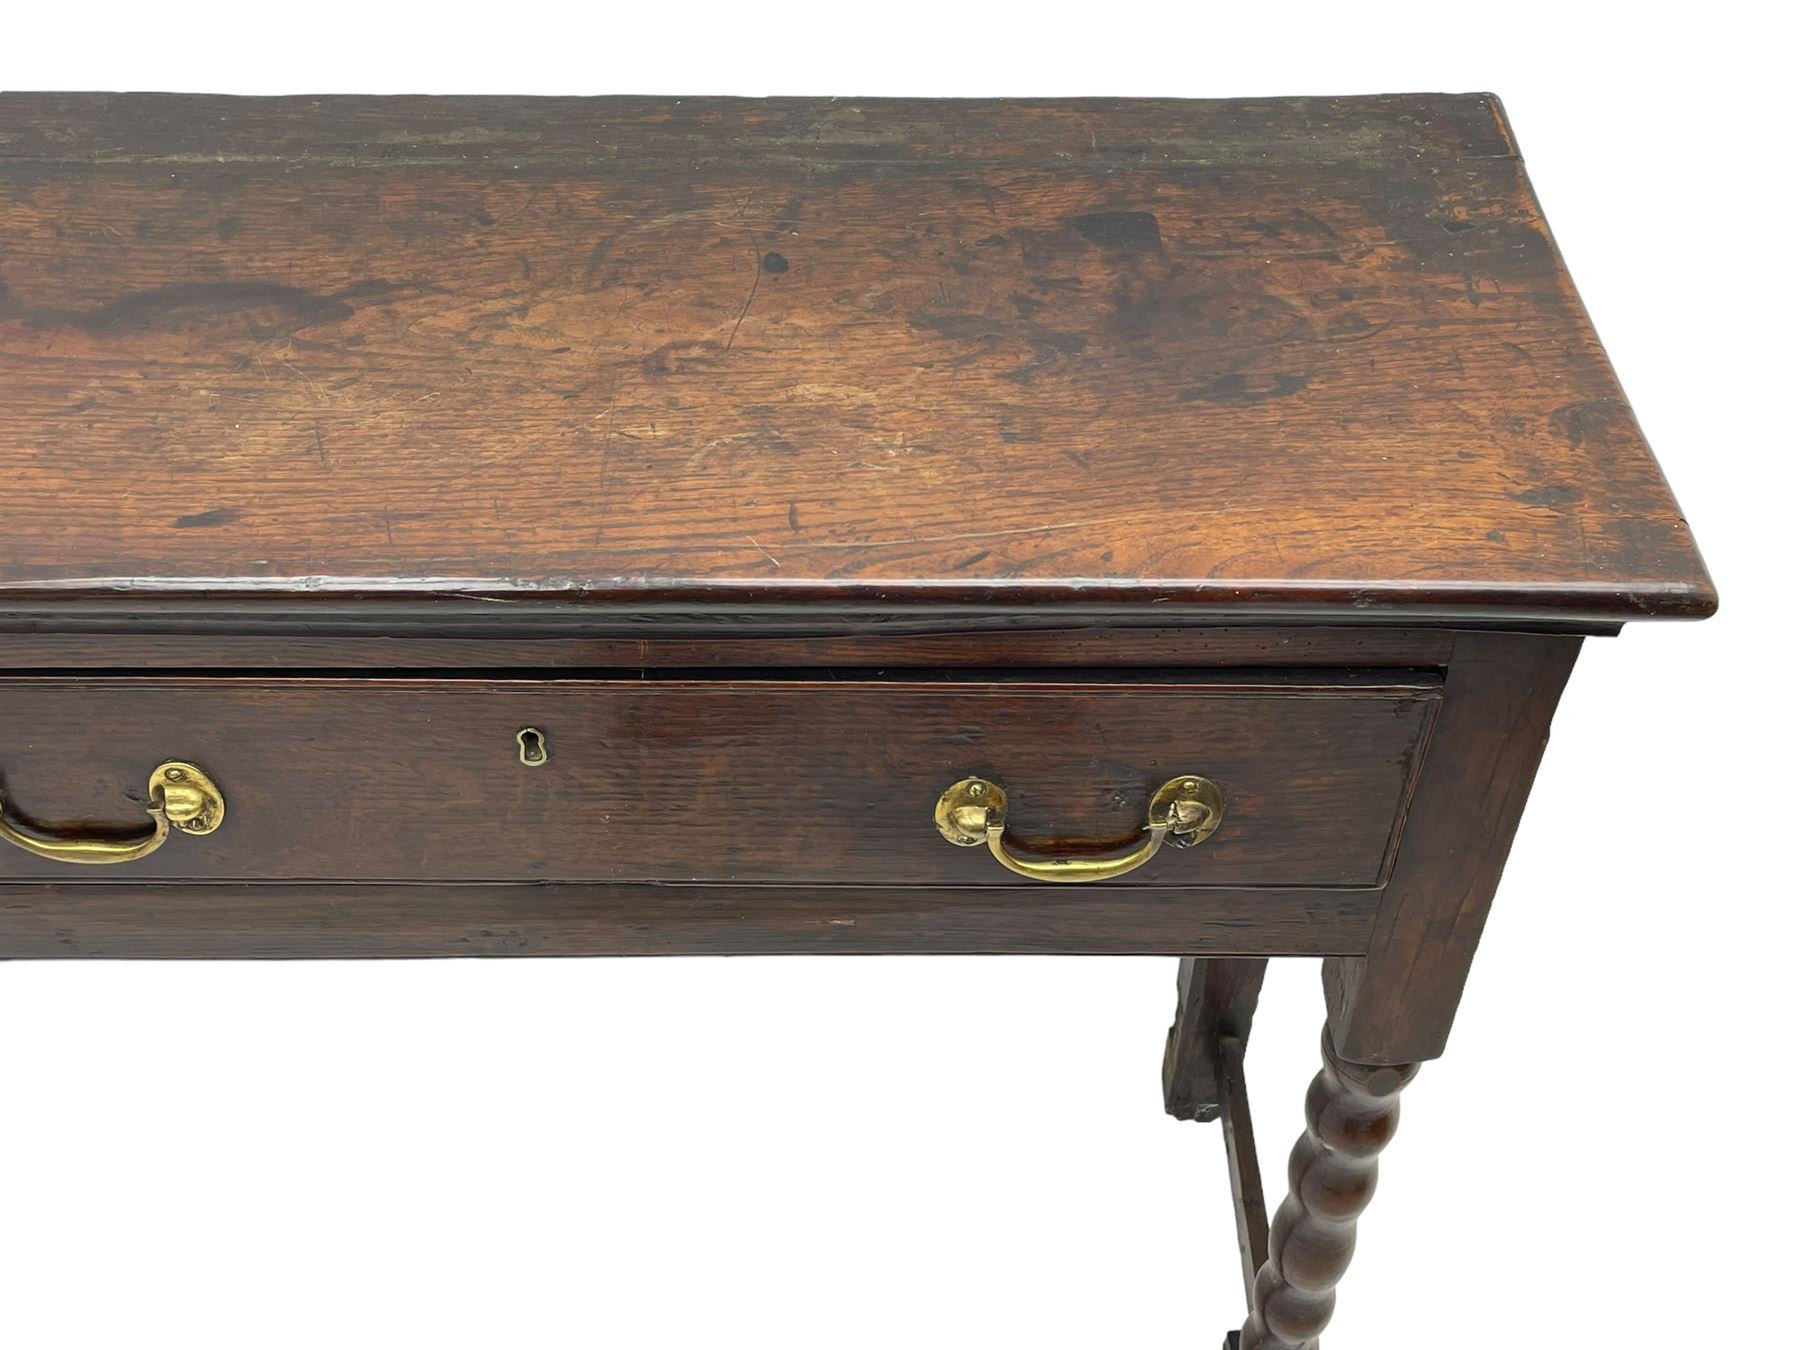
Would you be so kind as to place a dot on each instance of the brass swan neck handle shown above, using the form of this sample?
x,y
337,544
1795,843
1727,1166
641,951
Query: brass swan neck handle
x,y
182,798
1183,812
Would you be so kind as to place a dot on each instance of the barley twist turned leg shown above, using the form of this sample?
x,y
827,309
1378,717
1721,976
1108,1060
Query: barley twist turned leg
x,y
1351,1112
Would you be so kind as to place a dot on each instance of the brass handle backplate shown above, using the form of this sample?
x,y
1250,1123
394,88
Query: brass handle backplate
x,y
1183,812
182,797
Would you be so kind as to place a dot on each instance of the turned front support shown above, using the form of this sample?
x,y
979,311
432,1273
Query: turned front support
x,y
1351,1113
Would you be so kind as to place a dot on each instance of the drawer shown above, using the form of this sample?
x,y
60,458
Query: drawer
x,y
805,782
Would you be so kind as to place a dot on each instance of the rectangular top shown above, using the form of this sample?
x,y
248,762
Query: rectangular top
x,y
511,361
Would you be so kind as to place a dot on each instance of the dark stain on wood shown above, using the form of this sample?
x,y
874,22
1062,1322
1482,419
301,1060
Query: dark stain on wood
x,y
1127,231
1553,494
201,520
1247,389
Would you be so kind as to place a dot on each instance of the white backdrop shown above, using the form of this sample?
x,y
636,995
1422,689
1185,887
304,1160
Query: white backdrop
x,y
972,1152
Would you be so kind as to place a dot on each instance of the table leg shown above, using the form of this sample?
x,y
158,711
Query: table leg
x,y
1215,999
1351,1112
1392,1006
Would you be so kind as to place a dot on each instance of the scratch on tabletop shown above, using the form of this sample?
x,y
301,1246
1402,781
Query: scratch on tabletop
x,y
755,281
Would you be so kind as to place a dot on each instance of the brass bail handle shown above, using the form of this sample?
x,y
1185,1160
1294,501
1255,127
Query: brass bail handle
x,y
182,797
1183,812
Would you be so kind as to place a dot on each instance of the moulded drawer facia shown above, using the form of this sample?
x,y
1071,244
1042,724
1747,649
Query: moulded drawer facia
x,y
745,782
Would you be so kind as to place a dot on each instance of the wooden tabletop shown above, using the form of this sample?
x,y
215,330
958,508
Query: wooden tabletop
x,y
1296,358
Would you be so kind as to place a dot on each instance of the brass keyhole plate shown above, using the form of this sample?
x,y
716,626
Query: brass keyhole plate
x,y
534,750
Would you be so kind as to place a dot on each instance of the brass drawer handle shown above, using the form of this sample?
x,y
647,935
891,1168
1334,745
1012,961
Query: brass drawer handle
x,y
180,796
1183,812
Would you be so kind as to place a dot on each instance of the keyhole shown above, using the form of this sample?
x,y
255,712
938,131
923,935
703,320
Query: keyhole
x,y
533,749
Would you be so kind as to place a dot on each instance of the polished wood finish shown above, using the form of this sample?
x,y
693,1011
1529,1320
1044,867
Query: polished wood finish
x,y
1351,1113
1018,648
114,918
1395,1004
797,782
486,363
784,462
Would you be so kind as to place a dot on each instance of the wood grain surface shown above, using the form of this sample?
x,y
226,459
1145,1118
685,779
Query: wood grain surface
x,y
487,360
109,919
1144,649
808,782
1396,1005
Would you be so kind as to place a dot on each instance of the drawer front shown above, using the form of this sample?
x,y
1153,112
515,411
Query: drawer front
x,y
716,781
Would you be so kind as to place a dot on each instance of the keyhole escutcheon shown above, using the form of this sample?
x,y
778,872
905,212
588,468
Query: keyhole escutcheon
x,y
534,750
